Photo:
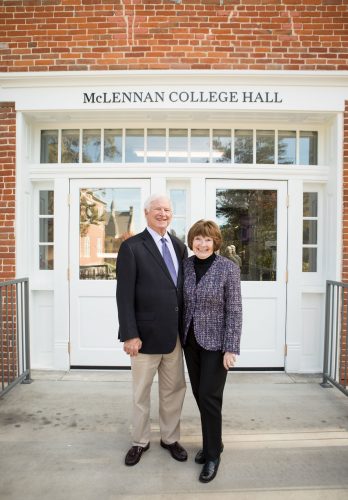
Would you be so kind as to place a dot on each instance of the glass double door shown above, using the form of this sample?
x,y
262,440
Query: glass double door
x,y
252,216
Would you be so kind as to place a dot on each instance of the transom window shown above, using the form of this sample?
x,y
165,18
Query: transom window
x,y
179,145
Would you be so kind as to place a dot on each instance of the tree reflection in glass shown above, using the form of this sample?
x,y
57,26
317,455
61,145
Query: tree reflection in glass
x,y
248,221
243,146
112,145
70,146
265,142
91,145
221,146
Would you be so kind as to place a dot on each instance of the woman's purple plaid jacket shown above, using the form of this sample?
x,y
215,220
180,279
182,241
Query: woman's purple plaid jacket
x,y
214,305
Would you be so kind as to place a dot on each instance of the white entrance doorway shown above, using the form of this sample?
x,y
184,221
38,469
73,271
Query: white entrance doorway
x,y
253,218
102,214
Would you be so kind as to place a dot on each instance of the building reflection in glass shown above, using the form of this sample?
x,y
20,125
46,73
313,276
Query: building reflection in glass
x,y
107,217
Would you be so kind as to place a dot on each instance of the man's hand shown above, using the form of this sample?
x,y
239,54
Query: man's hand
x,y
132,346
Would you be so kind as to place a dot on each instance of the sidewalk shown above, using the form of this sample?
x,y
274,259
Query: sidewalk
x,y
65,437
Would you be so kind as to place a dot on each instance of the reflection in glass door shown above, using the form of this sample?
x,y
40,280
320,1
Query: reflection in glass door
x,y
253,220
108,216
248,222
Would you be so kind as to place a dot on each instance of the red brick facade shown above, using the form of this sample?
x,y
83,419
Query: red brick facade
x,y
63,35
7,190
92,35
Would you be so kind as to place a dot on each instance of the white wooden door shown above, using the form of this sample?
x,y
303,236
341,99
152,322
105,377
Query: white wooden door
x,y
252,215
102,214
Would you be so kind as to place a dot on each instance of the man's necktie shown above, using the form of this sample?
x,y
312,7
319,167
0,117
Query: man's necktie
x,y
168,260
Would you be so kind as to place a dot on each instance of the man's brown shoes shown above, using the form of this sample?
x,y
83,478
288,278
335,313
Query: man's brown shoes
x,y
134,454
176,451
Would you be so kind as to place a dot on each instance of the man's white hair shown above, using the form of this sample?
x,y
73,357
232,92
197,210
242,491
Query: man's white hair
x,y
155,197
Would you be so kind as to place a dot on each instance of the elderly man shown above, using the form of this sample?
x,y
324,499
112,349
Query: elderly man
x,y
149,300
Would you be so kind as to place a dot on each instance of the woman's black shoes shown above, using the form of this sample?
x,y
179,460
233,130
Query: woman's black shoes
x,y
209,470
200,458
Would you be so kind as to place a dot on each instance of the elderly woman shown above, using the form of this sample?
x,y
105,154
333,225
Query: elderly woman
x,y
212,330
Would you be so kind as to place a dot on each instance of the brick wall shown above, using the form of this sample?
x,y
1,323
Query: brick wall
x,y
60,35
7,190
345,197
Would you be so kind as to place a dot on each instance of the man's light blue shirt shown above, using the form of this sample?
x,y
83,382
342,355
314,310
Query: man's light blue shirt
x,y
157,239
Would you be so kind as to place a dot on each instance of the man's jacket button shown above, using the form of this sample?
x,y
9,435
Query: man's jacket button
x,y
177,309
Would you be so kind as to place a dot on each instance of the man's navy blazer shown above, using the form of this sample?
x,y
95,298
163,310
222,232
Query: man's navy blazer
x,y
149,304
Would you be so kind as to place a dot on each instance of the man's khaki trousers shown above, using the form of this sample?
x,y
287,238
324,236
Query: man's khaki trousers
x,y
171,389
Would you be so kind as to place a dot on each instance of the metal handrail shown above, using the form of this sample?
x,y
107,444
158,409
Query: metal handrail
x,y
14,334
335,366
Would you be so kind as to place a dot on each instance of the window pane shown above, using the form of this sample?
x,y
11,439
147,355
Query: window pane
x,y
309,260
243,146
248,222
91,146
265,146
70,146
46,257
310,232
107,217
310,204
49,146
308,148
46,230
156,145
178,228
221,146
46,202
200,145
286,147
135,145
178,145
178,199
112,145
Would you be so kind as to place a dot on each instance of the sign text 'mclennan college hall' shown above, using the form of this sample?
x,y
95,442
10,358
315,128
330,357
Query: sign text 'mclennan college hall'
x,y
177,96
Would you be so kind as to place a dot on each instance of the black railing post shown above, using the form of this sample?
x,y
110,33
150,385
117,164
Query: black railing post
x,y
327,337
14,334
336,308
27,379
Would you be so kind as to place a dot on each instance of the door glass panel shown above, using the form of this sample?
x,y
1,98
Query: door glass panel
x,y
286,147
308,148
70,146
135,145
265,140
156,145
108,216
221,146
248,222
46,257
243,146
178,224
178,145
49,146
310,204
310,232
200,145
91,146
309,260
112,145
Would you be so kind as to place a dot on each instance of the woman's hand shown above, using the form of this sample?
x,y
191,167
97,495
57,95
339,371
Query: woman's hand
x,y
229,360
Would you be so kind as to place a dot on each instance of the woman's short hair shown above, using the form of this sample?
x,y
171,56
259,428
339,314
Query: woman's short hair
x,y
206,228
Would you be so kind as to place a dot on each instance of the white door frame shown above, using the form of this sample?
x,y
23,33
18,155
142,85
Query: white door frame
x,y
107,351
